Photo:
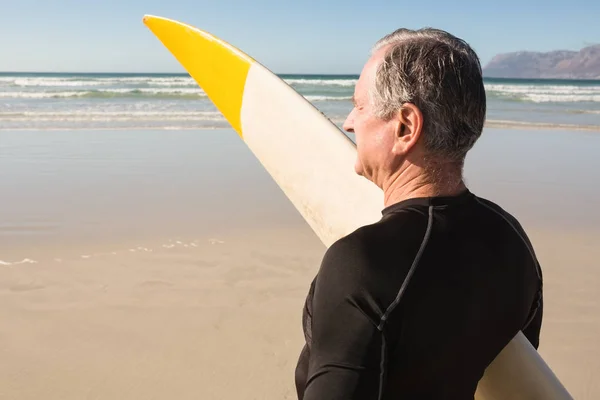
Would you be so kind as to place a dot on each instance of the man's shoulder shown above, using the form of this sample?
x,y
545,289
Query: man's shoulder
x,y
370,264
512,223
497,211
400,225
396,236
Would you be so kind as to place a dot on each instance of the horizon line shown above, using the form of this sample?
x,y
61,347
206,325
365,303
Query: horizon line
x,y
184,73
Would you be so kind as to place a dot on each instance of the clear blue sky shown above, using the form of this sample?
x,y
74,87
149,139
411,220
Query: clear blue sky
x,y
328,36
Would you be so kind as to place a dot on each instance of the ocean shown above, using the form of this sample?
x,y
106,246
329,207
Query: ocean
x,y
173,101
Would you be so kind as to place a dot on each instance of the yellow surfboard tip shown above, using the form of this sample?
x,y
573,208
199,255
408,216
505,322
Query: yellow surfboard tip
x,y
217,67
147,19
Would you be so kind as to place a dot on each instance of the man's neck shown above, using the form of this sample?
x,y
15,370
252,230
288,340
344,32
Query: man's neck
x,y
414,182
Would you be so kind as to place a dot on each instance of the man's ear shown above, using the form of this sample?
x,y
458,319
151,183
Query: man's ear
x,y
408,129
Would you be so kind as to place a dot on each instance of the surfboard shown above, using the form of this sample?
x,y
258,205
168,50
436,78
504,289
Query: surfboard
x,y
312,161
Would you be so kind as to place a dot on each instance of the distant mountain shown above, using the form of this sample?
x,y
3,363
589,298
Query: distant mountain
x,y
560,64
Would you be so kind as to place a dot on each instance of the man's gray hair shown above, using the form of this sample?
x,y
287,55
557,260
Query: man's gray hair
x,y
441,75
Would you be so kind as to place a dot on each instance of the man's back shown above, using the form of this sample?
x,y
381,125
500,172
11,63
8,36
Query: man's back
x,y
418,304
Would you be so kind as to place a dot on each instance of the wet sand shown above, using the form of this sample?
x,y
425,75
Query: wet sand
x,y
167,264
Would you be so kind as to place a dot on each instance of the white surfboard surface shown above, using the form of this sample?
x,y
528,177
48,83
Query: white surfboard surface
x,y
312,161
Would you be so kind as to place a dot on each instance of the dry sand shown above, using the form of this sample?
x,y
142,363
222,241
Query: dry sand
x,y
570,338
213,318
219,318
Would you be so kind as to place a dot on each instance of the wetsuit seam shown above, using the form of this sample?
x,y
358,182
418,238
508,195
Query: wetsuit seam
x,y
383,361
391,307
411,271
531,253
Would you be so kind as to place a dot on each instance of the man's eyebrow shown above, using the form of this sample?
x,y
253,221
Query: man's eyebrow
x,y
353,100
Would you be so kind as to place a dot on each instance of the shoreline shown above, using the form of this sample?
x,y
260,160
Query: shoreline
x,y
504,124
489,124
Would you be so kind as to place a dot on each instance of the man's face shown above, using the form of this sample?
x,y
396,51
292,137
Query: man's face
x,y
374,136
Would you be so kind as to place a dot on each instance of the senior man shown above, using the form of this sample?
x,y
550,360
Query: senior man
x,y
417,305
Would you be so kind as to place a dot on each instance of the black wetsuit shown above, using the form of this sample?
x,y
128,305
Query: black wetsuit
x,y
418,304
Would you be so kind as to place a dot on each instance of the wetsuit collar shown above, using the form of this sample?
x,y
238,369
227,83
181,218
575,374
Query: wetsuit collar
x,y
429,201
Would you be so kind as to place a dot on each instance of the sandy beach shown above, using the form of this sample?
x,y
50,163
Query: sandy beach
x,y
157,264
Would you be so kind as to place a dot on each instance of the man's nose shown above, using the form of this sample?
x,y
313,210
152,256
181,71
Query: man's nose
x,y
348,125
